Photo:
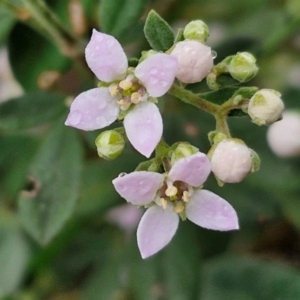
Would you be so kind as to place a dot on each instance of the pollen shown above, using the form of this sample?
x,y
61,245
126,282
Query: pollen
x,y
125,85
171,191
186,196
113,90
163,202
123,104
178,208
135,97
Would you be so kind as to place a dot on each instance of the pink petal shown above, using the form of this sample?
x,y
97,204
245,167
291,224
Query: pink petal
x,y
139,187
157,73
210,211
93,109
144,127
105,57
192,170
156,229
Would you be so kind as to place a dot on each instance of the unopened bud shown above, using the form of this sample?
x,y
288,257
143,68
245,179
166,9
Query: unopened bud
x,y
110,144
265,107
196,30
182,150
243,66
231,160
284,136
195,60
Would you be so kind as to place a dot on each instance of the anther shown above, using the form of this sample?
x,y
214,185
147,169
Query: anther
x,y
125,85
178,208
113,90
186,196
171,191
163,202
135,98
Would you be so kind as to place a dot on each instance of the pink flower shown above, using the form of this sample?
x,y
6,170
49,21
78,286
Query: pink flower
x,y
127,90
173,194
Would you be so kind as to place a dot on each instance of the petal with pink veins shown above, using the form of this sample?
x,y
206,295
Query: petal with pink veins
x,y
138,187
93,109
144,127
106,57
192,170
157,73
156,229
210,211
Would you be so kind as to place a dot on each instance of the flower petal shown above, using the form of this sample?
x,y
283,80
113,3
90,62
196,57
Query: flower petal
x,y
93,109
192,170
138,187
210,211
157,73
156,229
105,57
144,127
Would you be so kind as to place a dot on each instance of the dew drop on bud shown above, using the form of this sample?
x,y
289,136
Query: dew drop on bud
x,y
213,54
122,174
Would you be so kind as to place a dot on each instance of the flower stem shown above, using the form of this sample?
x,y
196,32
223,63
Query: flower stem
x,y
193,99
40,17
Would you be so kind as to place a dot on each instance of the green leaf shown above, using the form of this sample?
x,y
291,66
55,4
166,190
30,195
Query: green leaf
x,y
116,16
237,278
31,55
14,254
31,110
55,173
16,153
158,32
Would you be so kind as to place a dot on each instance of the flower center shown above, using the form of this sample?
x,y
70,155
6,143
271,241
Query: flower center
x,y
129,91
176,194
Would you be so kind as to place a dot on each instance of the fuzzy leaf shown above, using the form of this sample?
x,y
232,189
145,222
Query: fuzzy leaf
x,y
55,173
158,32
31,110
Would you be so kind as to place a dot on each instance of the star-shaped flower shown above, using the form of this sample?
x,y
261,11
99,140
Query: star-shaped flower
x,y
125,90
173,194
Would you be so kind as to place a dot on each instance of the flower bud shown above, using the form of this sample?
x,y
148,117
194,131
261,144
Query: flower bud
x,y
196,30
231,160
110,144
265,107
182,150
284,136
195,60
243,66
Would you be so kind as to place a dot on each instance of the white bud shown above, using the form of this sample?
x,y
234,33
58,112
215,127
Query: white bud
x,y
265,107
194,61
231,160
284,136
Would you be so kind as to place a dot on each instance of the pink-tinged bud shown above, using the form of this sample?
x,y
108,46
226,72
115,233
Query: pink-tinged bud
x,y
284,136
265,107
231,160
195,61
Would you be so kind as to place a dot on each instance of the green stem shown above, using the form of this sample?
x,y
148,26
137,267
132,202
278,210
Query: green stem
x,y
46,22
221,124
193,99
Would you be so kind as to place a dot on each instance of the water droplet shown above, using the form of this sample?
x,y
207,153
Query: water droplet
x,y
213,54
153,80
122,174
153,71
75,117
110,42
163,83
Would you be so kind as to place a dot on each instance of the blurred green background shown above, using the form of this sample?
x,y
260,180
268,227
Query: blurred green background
x,y
60,239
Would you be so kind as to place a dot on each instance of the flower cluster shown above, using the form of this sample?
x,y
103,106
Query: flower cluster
x,y
129,94
168,196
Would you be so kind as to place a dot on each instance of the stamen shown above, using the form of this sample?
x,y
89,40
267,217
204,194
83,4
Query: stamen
x,y
163,203
135,97
178,208
125,85
123,104
113,90
186,196
171,191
